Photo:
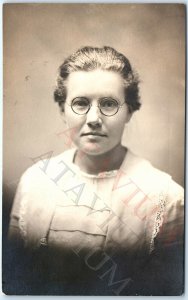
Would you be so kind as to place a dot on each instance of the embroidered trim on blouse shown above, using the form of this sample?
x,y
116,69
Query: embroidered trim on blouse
x,y
100,175
158,220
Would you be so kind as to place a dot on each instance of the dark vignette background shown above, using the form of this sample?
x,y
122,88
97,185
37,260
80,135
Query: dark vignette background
x,y
37,37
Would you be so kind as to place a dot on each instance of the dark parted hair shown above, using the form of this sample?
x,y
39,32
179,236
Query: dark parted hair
x,y
105,58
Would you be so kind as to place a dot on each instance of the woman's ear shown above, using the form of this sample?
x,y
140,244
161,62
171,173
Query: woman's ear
x,y
63,117
62,111
129,116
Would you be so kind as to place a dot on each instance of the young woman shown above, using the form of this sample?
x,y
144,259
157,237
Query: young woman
x,y
99,219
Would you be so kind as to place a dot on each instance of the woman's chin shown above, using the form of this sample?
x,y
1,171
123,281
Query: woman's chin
x,y
93,149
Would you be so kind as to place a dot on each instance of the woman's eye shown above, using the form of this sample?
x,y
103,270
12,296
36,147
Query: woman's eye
x,y
80,103
109,103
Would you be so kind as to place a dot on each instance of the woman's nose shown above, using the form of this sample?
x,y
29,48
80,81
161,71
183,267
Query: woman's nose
x,y
93,117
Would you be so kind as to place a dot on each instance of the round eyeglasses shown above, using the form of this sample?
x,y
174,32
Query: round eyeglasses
x,y
107,106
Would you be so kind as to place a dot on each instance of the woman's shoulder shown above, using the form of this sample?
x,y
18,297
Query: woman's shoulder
x,y
47,164
142,170
150,178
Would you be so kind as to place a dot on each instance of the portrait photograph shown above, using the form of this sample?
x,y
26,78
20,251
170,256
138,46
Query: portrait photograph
x,y
93,149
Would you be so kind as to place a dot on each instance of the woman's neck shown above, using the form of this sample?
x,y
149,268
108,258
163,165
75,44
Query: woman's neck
x,y
94,164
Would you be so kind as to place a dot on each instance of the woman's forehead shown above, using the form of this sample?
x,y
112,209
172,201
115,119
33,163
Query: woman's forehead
x,y
96,81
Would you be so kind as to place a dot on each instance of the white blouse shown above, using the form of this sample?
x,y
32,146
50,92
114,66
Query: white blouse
x,y
59,206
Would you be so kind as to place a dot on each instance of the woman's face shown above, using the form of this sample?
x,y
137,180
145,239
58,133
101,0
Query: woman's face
x,y
95,133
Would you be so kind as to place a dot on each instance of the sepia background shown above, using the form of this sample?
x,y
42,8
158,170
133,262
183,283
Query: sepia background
x,y
38,37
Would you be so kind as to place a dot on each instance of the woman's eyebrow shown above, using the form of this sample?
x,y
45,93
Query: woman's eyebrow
x,y
82,97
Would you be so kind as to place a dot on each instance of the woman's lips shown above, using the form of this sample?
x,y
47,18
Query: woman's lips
x,y
93,133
